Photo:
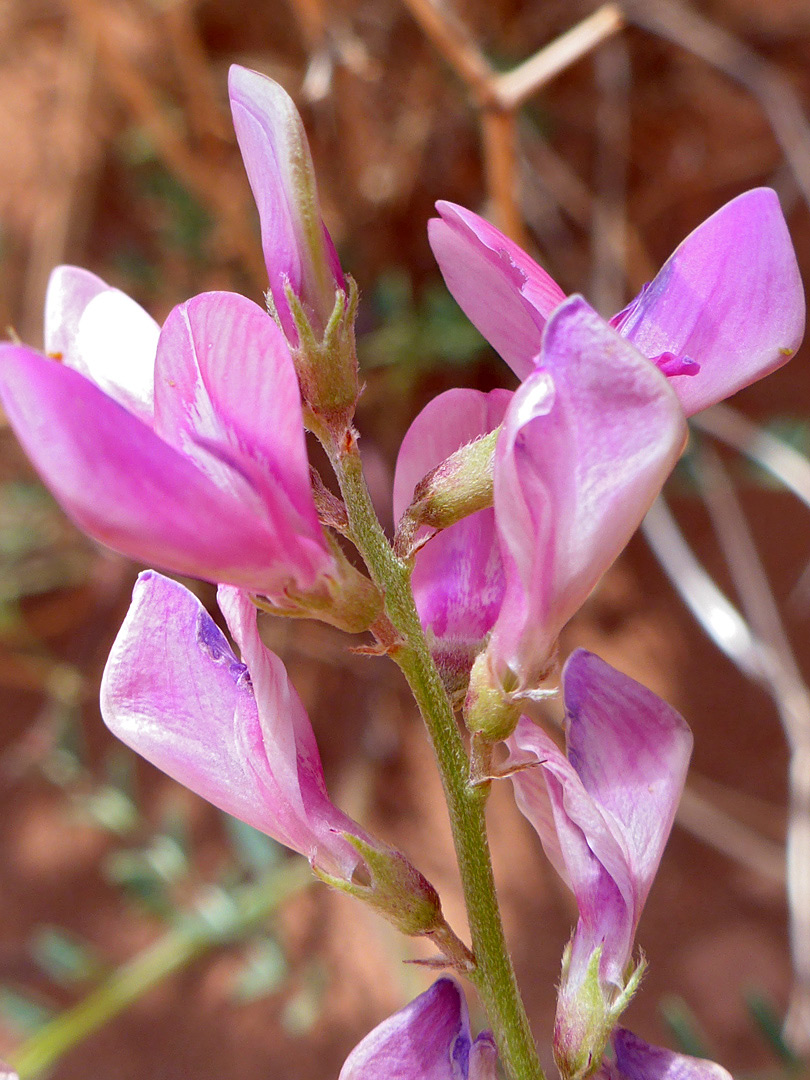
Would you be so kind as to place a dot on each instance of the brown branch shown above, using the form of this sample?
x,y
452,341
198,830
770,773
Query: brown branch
x,y
720,49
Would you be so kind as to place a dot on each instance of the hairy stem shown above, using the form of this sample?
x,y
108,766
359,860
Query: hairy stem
x,y
494,975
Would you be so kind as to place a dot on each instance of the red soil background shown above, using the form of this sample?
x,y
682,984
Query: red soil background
x,y
116,146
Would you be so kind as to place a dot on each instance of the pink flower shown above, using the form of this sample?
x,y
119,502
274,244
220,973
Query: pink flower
x,y
587,442
725,309
427,1040
603,812
233,730
182,447
297,248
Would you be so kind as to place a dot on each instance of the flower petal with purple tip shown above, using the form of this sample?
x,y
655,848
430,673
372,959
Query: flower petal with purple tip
x,y
637,1060
427,1040
730,298
233,730
612,799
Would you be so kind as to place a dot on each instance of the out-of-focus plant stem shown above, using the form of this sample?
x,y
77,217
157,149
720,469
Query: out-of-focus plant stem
x,y
217,920
493,976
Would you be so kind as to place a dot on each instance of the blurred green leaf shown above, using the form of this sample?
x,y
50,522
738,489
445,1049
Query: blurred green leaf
x,y
418,334
768,1020
263,972
22,1013
67,960
681,1021
255,850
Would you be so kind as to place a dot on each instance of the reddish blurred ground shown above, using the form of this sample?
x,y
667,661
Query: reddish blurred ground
x,y
112,113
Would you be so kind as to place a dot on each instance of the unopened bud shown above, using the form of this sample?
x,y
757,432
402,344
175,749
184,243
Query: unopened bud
x,y
459,486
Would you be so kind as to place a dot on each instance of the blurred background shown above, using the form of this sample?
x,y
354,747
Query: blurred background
x,y
176,943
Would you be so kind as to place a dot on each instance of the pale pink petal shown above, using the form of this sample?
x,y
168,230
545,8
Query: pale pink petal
x,y
234,733
730,298
501,289
612,800
125,486
637,1060
458,576
587,442
227,396
631,750
579,835
297,247
427,1040
104,334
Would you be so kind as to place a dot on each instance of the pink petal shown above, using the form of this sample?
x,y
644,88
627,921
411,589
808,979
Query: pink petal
x,y
587,443
637,1060
583,845
730,297
458,576
105,335
427,1040
501,289
125,486
276,154
227,396
608,807
237,735
631,750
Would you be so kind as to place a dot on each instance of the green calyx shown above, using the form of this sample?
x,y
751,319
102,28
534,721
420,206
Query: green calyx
x,y
327,364
587,1016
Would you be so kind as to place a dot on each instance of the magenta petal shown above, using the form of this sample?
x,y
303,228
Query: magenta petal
x,y
458,576
245,432
730,298
234,733
427,1040
637,1060
124,485
297,247
587,442
501,290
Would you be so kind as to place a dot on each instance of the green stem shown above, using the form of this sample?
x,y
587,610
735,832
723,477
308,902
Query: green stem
x,y
494,976
193,936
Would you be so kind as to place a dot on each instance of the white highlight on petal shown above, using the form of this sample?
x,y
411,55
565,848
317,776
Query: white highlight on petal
x,y
116,344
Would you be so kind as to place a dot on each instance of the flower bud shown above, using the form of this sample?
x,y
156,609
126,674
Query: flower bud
x,y
459,486
308,296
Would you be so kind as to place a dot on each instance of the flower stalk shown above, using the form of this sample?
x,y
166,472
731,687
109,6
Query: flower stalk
x,y
493,974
